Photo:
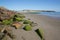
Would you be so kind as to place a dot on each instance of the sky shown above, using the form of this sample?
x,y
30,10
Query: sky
x,y
31,4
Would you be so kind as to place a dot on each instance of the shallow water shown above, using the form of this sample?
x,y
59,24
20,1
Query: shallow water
x,y
52,14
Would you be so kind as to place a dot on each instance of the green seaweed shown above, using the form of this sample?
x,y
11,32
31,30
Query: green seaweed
x,y
40,32
6,22
27,27
27,22
19,15
19,19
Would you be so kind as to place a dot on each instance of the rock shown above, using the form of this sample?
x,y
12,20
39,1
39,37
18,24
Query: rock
x,y
17,25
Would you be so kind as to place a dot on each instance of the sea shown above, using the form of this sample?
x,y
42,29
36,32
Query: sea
x,y
52,14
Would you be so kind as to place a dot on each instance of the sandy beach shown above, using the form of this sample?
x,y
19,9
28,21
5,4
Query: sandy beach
x,y
29,19
50,25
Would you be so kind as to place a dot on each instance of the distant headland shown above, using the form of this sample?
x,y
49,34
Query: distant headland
x,y
38,11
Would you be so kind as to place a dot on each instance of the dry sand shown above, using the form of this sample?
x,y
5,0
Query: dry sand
x,y
50,25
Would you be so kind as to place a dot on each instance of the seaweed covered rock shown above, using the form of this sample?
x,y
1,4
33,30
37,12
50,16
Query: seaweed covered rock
x,y
14,19
27,22
28,27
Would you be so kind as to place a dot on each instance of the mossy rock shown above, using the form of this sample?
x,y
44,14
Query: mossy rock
x,y
27,22
40,32
19,19
19,15
22,16
27,27
6,22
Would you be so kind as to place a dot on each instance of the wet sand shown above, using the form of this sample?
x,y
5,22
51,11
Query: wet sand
x,y
50,25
